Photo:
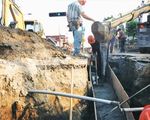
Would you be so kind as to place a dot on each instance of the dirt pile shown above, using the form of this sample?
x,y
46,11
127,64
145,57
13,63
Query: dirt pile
x,y
18,43
30,62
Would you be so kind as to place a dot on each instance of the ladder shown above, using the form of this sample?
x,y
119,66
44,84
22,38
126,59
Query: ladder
x,y
93,69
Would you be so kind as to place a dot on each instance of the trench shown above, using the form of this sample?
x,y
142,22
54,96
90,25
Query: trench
x,y
87,113
82,110
133,73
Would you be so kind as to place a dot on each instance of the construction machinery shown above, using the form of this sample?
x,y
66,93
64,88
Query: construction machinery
x,y
131,15
12,16
10,13
143,29
105,27
143,36
102,34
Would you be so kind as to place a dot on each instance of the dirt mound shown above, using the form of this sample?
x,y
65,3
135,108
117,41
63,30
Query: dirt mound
x,y
19,43
29,62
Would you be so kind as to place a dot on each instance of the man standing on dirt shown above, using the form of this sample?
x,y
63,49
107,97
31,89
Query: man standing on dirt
x,y
74,14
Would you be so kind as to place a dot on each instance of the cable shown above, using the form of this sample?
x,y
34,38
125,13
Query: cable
x,y
126,100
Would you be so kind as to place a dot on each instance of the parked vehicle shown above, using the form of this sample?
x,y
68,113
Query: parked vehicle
x,y
143,36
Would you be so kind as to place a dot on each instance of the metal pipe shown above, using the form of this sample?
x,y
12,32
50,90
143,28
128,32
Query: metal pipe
x,y
132,109
74,96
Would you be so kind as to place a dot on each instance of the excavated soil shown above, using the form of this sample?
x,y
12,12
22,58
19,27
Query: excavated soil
x,y
29,62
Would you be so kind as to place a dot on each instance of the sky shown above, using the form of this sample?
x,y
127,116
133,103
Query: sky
x,y
97,9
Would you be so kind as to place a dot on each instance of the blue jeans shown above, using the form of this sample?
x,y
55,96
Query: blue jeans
x,y
77,35
111,43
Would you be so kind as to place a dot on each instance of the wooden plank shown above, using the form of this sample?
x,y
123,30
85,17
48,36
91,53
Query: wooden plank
x,y
121,93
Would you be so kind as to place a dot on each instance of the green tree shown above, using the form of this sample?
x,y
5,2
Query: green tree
x,y
131,28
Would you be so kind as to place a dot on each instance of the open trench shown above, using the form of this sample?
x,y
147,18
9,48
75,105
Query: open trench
x,y
28,62
133,71
18,78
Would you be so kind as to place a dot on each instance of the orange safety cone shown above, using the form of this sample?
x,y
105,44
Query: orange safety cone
x,y
145,114
91,39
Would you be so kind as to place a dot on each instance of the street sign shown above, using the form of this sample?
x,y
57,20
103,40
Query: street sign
x,y
57,14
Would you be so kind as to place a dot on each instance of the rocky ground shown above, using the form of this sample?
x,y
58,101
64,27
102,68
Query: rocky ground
x,y
30,62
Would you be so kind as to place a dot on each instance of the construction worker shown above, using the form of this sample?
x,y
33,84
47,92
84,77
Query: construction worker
x,y
122,39
112,41
74,14
96,52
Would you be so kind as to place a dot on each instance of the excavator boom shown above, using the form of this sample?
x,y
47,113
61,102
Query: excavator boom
x,y
102,29
130,16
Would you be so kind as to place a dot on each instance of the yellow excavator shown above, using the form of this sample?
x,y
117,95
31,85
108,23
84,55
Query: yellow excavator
x,y
131,16
12,16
